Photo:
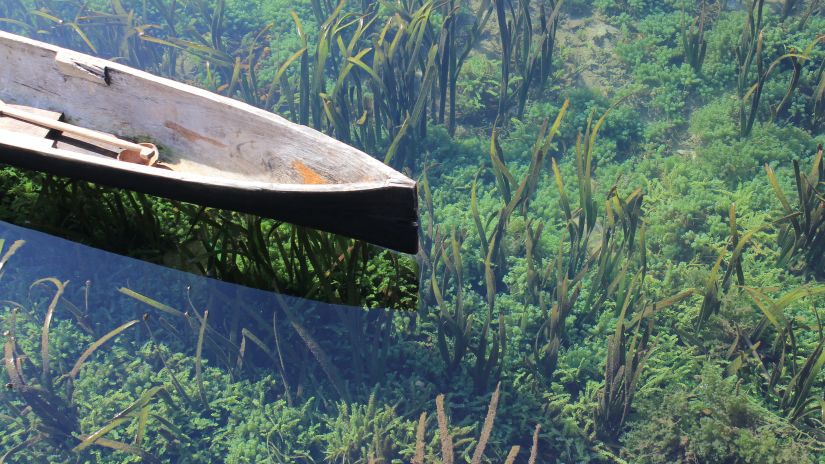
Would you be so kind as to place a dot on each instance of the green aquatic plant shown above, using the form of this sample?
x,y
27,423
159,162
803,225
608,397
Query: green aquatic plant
x,y
778,362
51,415
801,239
751,81
623,366
231,352
388,70
717,287
626,357
456,327
365,433
457,324
813,8
603,261
714,418
453,58
126,32
693,40
799,401
447,440
818,96
526,50
750,48
551,334
118,221
600,248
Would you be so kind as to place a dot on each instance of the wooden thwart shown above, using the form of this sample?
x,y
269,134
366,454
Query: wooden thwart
x,y
11,127
17,126
39,127
143,152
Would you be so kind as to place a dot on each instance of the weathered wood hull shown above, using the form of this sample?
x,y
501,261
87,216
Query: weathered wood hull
x,y
224,153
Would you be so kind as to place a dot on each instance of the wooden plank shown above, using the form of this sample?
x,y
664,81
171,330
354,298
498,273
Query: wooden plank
x,y
17,126
33,117
90,146
16,137
78,144
13,128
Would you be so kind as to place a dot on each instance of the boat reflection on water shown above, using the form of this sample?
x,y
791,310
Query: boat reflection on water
x,y
81,325
110,283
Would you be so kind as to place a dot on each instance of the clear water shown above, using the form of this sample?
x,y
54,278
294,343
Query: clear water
x,y
651,297
99,281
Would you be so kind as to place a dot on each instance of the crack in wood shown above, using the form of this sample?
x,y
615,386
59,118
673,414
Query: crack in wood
x,y
35,88
75,66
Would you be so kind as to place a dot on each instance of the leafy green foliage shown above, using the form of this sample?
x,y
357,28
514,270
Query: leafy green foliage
x,y
53,418
713,421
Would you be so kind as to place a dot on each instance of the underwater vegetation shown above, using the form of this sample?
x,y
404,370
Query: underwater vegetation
x,y
621,242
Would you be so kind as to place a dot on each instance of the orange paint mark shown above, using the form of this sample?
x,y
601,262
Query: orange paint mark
x,y
308,176
191,135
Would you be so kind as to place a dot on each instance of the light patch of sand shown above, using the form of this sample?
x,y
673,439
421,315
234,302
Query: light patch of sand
x,y
589,45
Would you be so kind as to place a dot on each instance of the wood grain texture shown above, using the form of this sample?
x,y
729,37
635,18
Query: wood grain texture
x,y
224,153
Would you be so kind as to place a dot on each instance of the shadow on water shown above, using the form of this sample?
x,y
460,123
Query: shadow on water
x,y
106,280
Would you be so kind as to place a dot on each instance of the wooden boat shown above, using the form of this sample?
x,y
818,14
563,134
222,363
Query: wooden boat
x,y
213,150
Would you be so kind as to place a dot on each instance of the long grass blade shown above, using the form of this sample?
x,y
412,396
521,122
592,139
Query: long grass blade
x,y
100,433
198,360
419,439
487,428
443,432
9,253
534,450
153,303
94,346
44,333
